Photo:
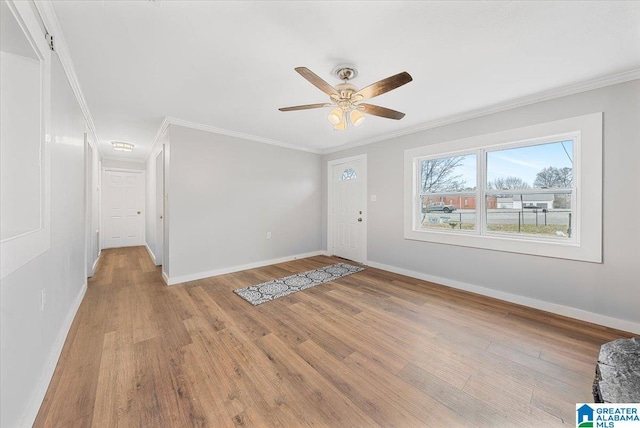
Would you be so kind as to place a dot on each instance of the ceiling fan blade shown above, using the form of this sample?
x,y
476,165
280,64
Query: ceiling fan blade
x,y
385,85
316,80
305,107
380,111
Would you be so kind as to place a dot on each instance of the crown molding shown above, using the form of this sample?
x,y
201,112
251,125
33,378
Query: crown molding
x,y
222,131
588,85
50,21
161,131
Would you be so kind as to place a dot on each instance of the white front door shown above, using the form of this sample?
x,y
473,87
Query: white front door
x,y
348,193
123,203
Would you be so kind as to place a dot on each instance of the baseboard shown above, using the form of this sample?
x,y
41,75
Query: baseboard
x,y
37,398
153,256
231,269
165,277
555,308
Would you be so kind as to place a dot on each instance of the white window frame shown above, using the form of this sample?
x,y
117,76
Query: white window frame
x,y
586,241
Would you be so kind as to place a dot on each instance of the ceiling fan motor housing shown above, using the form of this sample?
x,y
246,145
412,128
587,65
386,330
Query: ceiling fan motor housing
x,y
345,96
346,72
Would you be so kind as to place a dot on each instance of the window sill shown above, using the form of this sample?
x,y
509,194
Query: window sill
x,y
561,250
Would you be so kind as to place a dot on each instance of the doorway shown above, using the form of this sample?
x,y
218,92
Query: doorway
x,y
123,204
347,203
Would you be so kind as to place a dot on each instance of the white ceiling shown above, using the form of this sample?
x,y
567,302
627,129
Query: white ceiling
x,y
230,65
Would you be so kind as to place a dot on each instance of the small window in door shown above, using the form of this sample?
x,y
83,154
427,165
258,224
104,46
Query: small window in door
x,y
348,174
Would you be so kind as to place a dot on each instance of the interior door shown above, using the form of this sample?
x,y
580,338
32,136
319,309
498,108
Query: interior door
x,y
349,204
159,207
123,203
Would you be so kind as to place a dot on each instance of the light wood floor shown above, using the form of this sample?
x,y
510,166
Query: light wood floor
x,y
370,349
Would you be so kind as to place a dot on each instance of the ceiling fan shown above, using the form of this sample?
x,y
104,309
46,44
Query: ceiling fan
x,y
347,99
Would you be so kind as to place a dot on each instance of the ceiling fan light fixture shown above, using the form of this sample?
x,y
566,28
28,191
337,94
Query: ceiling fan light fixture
x,y
356,117
342,125
335,116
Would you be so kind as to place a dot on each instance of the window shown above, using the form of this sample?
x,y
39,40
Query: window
x,y
348,174
519,190
529,190
444,183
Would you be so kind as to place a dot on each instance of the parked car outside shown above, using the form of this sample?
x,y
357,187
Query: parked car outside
x,y
439,206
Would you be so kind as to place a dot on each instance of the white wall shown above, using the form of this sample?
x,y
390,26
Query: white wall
x,y
607,292
32,339
226,193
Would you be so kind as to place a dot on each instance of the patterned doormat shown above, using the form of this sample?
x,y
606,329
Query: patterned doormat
x,y
271,290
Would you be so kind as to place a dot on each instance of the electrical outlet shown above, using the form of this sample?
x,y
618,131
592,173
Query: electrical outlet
x,y
43,298
268,235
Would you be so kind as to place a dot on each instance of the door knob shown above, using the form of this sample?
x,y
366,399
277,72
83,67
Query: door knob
x,y
138,212
360,219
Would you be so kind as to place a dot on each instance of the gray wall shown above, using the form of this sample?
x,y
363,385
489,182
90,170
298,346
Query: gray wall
x,y
609,289
30,337
226,193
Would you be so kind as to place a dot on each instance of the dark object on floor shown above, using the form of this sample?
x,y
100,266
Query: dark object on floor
x,y
618,372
